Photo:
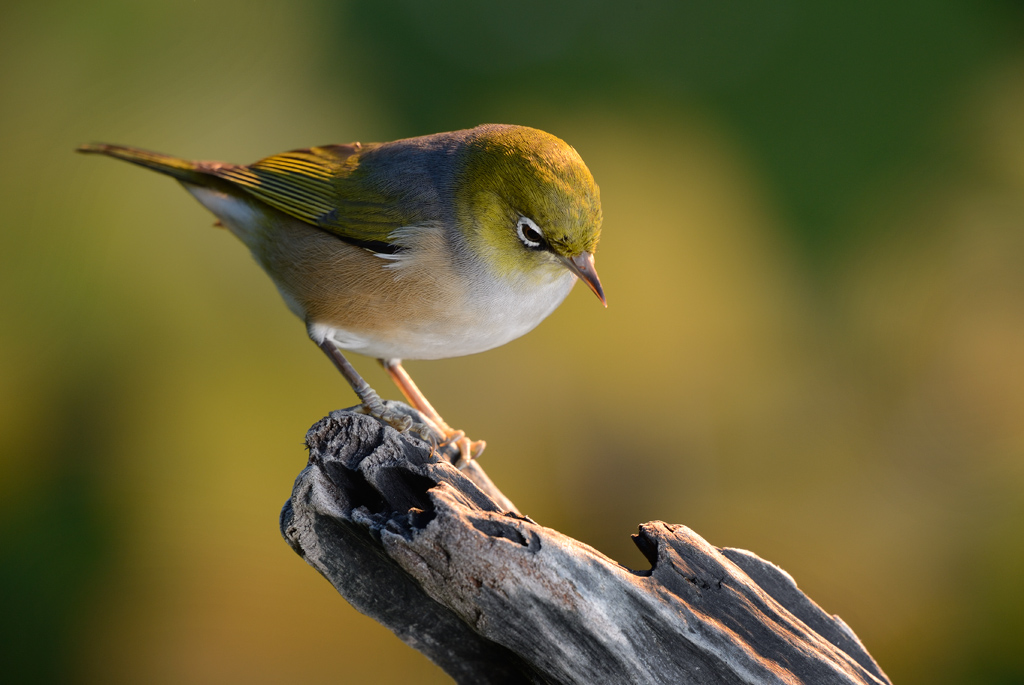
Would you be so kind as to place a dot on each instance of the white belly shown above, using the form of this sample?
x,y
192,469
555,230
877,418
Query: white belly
x,y
494,316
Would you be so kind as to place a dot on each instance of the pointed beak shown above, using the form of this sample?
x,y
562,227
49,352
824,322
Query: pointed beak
x,y
583,266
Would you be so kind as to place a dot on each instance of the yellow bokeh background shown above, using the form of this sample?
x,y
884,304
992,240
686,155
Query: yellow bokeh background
x,y
854,414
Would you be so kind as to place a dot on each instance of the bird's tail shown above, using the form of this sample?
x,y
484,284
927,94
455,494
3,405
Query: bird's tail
x,y
197,173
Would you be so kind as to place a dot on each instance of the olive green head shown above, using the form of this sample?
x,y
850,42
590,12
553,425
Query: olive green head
x,y
526,200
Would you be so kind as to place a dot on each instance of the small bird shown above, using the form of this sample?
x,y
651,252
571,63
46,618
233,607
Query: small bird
x,y
422,248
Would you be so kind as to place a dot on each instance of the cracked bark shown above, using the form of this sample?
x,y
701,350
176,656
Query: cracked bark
x,y
445,561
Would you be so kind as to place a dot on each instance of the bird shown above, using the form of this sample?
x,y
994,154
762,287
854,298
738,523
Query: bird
x,y
429,247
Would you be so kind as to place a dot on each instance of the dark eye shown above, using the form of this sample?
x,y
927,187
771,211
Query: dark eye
x,y
529,233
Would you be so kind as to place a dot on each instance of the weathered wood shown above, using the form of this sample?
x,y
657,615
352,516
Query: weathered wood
x,y
436,555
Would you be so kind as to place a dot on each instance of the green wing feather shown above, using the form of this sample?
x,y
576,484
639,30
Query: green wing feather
x,y
323,186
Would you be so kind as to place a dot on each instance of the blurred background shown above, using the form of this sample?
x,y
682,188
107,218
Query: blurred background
x,y
814,346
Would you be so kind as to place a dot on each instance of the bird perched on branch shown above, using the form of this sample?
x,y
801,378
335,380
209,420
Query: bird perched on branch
x,y
422,248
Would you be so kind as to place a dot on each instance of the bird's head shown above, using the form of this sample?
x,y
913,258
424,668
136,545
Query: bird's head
x,y
528,204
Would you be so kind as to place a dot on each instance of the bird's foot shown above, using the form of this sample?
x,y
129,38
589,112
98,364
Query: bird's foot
x,y
456,442
398,420
452,444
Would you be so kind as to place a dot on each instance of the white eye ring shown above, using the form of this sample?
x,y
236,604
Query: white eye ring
x,y
526,224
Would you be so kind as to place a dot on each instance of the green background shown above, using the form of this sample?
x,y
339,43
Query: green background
x,y
814,346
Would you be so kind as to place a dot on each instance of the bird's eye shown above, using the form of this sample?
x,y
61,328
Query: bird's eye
x,y
529,233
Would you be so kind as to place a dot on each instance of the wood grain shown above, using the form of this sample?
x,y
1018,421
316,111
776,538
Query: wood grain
x,y
442,558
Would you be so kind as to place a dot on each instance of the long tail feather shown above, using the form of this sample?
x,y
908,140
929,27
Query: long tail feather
x,y
198,173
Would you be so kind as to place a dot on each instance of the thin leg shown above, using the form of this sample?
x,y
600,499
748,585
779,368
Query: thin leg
x,y
367,395
468,449
412,393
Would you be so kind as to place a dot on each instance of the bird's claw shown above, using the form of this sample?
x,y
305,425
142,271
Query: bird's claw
x,y
453,444
425,432
467,450
400,422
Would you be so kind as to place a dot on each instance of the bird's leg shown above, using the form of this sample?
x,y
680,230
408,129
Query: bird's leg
x,y
468,449
367,395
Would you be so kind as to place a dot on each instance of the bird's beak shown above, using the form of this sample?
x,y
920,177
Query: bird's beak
x,y
583,266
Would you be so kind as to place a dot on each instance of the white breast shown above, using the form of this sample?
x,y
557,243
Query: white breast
x,y
490,318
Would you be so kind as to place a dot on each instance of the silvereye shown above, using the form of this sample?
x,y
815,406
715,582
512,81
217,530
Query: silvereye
x,y
422,248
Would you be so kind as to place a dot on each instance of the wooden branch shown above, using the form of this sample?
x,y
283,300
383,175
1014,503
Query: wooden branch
x,y
442,558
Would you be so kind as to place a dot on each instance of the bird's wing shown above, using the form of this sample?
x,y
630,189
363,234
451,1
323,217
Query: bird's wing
x,y
322,186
